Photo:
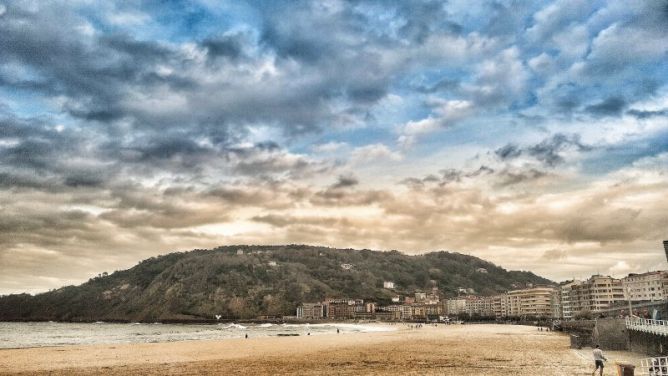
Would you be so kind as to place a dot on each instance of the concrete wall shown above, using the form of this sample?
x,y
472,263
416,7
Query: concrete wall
x,y
647,343
611,334
580,331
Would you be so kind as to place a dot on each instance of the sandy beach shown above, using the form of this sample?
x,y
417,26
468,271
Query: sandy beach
x,y
442,350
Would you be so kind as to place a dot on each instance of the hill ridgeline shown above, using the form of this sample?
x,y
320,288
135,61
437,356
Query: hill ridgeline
x,y
244,282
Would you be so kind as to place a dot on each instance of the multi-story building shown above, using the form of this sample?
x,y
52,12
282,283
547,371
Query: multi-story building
x,y
433,310
479,305
594,295
651,286
420,297
570,304
455,306
388,315
339,309
310,311
406,312
419,311
499,307
536,301
604,291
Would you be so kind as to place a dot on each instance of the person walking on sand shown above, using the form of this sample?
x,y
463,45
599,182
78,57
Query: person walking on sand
x,y
598,360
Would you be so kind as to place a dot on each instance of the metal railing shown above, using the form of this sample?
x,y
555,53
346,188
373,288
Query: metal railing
x,y
659,327
657,366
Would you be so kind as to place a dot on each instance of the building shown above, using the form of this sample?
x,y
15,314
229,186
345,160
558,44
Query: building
x,y
311,311
455,306
388,315
419,311
420,297
341,309
388,285
569,305
433,310
646,287
406,312
535,301
478,305
593,295
604,291
499,305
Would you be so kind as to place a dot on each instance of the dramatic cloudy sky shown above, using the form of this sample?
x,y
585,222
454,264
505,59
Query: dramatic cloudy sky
x,y
531,134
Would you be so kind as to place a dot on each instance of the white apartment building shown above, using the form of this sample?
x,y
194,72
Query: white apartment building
x,y
536,301
455,306
651,286
604,291
499,305
568,303
479,305
595,294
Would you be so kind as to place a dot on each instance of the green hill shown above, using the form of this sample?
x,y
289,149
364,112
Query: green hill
x,y
264,280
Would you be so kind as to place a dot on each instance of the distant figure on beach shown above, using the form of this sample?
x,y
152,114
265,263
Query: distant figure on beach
x,y
246,335
598,360
337,330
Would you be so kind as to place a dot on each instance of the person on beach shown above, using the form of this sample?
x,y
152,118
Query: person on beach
x,y
598,360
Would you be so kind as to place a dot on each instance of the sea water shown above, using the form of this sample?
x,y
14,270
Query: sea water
x,y
41,334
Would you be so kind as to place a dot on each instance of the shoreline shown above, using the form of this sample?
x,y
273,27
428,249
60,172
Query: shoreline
x,y
62,335
455,349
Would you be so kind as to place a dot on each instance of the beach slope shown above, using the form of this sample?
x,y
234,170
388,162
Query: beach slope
x,y
442,350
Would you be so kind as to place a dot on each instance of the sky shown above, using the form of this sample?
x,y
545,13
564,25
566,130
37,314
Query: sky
x,y
530,134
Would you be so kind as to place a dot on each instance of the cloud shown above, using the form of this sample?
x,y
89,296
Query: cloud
x,y
329,147
612,106
645,114
445,113
373,152
138,129
345,182
549,151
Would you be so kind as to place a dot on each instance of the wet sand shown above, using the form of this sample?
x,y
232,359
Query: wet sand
x,y
442,350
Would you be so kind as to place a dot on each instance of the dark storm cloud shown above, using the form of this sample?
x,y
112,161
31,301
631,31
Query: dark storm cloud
x,y
113,77
508,151
508,177
547,151
612,106
444,85
226,46
345,181
37,155
644,114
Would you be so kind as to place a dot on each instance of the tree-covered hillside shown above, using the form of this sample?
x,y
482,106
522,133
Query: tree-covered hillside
x,y
264,280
